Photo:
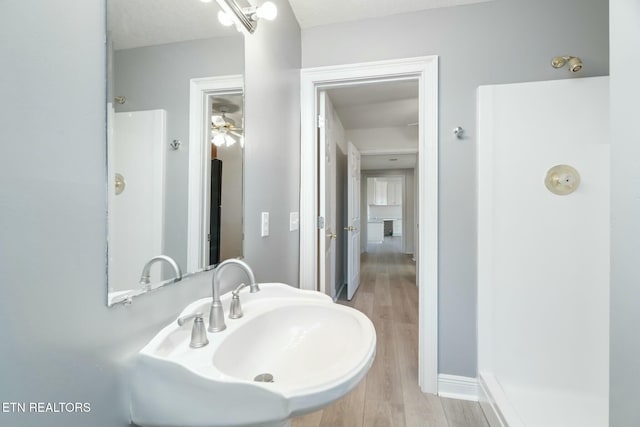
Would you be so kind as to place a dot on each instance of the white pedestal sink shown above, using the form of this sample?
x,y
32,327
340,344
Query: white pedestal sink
x,y
315,350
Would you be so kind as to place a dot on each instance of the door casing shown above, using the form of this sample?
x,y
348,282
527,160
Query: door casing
x,y
425,70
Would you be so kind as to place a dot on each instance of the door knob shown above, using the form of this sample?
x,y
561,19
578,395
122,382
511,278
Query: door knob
x,y
332,235
350,228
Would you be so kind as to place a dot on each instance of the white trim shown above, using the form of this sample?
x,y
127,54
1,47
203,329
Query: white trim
x,y
493,400
344,284
457,387
489,407
425,70
199,154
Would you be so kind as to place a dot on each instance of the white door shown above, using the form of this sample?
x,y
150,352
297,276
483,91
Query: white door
x,y
353,215
327,205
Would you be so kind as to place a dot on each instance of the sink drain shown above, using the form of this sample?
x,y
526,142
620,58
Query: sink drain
x,y
264,378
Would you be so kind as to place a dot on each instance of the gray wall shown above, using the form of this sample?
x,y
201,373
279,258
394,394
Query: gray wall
x,y
158,77
272,153
625,211
59,340
502,41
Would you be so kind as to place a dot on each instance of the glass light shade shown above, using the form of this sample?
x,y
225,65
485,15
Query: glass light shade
x,y
218,140
268,10
224,19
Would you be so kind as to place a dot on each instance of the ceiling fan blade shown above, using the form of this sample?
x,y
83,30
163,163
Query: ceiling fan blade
x,y
218,121
218,140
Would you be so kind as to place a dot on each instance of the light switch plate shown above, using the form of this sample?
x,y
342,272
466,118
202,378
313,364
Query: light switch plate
x,y
294,221
265,224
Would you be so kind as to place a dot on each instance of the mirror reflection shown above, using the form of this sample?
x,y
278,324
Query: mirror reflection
x,y
158,51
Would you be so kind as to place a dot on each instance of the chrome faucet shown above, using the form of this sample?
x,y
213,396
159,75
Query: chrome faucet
x,y
216,315
145,278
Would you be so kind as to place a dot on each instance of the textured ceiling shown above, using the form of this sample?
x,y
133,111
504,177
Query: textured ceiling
x,y
137,23
312,13
376,105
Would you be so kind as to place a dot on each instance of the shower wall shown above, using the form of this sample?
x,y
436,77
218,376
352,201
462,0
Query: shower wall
x,y
543,259
137,151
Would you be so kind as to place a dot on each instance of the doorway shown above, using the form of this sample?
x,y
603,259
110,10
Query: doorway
x,y
389,216
424,70
203,94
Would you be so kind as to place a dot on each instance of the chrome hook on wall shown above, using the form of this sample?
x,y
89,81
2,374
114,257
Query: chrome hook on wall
x,y
458,132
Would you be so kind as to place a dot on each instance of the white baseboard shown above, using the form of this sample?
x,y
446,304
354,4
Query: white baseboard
x,y
457,387
488,405
494,403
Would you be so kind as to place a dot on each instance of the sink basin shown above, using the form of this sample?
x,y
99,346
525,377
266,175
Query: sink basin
x,y
313,350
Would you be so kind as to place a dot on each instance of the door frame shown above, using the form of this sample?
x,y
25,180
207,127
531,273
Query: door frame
x,y
200,161
425,70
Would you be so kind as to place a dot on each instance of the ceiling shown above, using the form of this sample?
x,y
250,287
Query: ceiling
x,y
231,105
137,23
379,105
376,105
312,13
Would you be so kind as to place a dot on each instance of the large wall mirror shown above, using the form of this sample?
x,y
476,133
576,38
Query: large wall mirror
x,y
175,141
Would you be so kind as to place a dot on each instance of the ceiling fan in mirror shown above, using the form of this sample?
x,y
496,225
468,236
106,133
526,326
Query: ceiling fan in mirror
x,y
224,131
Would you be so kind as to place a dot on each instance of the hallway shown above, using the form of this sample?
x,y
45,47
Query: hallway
x,y
389,395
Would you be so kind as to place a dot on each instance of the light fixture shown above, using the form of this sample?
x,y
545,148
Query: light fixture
x,y
268,11
247,16
223,138
224,19
206,1
224,131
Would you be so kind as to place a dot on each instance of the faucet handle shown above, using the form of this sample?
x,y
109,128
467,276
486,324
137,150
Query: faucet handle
x,y
235,310
198,332
184,319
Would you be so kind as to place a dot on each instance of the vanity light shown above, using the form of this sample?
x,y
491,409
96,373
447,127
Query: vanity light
x,y
206,1
247,16
225,19
268,11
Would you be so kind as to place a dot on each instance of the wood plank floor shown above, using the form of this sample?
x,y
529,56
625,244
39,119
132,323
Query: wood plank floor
x,y
389,395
